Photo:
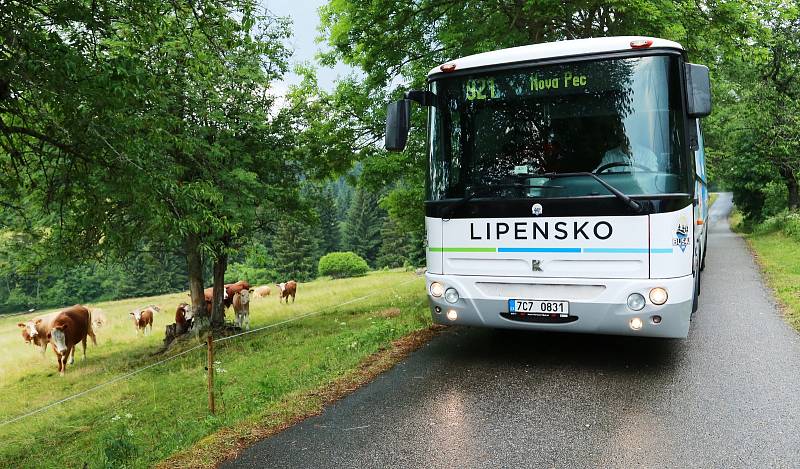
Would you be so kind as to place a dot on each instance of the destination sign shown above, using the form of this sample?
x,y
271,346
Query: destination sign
x,y
551,80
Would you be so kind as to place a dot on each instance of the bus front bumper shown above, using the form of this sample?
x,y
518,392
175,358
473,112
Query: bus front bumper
x,y
596,306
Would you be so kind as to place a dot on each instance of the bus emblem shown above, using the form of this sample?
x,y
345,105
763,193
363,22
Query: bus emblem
x,y
537,209
536,265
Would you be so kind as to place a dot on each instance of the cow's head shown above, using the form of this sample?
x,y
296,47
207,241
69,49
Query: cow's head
x,y
244,296
137,315
29,332
282,286
58,338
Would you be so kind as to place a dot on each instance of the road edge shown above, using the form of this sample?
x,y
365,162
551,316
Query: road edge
x,y
229,442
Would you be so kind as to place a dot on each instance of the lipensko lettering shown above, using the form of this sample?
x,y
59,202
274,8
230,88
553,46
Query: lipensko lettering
x,y
543,230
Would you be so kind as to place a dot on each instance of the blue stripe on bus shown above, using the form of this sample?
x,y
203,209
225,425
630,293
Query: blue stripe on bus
x,y
661,251
617,250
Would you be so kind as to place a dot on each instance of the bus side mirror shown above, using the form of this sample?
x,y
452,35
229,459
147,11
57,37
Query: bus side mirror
x,y
398,117
698,91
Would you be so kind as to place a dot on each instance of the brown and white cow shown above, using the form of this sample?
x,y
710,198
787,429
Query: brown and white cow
x,y
262,292
69,327
143,317
183,318
227,294
287,289
34,331
241,306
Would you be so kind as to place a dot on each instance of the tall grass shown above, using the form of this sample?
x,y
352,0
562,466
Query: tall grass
x,y
776,243
142,420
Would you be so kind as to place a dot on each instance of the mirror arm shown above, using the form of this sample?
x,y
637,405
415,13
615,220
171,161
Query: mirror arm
x,y
423,98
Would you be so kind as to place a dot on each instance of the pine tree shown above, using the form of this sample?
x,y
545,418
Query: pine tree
x,y
295,250
328,227
362,229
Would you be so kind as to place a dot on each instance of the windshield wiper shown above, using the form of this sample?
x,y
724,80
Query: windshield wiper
x,y
481,190
635,206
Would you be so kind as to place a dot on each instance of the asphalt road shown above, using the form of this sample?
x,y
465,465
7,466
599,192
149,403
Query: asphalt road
x,y
729,396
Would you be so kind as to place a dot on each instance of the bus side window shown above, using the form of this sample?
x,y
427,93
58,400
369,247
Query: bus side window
x,y
700,154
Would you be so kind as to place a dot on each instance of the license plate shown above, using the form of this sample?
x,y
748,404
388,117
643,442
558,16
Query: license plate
x,y
538,307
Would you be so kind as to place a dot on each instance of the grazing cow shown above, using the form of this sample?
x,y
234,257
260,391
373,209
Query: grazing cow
x,y
183,318
241,306
98,318
35,330
143,318
69,327
287,289
262,291
227,294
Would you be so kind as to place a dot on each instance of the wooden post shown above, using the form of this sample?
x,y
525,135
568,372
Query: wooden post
x,y
210,341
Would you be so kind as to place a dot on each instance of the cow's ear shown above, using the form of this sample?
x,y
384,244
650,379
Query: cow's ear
x,y
37,322
251,290
22,325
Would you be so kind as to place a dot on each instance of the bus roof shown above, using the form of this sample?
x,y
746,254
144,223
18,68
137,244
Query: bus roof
x,y
551,50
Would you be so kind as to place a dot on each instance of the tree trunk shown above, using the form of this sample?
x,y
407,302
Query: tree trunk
x,y
790,177
218,308
195,269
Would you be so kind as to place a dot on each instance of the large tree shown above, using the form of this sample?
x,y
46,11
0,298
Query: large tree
x,y
122,121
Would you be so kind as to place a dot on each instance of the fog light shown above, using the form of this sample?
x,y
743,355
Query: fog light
x,y
437,289
451,295
656,319
658,296
635,324
452,315
636,301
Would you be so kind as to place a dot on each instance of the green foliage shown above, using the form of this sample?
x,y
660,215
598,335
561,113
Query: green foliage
x,y
342,264
362,229
399,247
786,222
753,134
295,250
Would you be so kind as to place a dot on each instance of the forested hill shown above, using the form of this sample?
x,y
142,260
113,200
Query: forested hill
x,y
338,217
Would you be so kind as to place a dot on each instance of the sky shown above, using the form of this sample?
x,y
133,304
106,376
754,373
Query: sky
x,y
305,21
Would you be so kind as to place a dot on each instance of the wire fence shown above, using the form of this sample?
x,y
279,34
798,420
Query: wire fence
x,y
204,345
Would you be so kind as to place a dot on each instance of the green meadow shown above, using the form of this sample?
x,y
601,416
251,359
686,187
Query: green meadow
x,y
146,418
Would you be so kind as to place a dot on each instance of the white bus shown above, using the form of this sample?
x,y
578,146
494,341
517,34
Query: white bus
x,y
566,187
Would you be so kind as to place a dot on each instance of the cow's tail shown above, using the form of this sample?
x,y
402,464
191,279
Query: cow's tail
x,y
90,333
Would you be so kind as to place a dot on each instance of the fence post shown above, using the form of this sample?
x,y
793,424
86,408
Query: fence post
x,y
210,342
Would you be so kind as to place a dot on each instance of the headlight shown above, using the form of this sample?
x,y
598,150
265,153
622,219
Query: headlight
x,y
636,301
437,289
451,295
658,296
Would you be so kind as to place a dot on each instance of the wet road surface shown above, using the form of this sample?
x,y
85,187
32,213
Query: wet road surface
x,y
729,396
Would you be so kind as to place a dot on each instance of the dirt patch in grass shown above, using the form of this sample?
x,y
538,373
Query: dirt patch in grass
x,y
389,313
230,442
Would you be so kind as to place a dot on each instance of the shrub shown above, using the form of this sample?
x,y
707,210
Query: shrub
x,y
787,222
342,264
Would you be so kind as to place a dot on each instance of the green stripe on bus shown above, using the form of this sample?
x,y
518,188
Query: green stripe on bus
x,y
462,249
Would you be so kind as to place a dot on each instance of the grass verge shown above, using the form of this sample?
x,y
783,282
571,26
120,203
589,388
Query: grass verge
x,y
778,256
264,381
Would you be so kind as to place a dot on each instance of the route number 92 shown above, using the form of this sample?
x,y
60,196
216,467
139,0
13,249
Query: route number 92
x,y
480,89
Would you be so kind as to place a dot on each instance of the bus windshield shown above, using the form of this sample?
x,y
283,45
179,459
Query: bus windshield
x,y
621,119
